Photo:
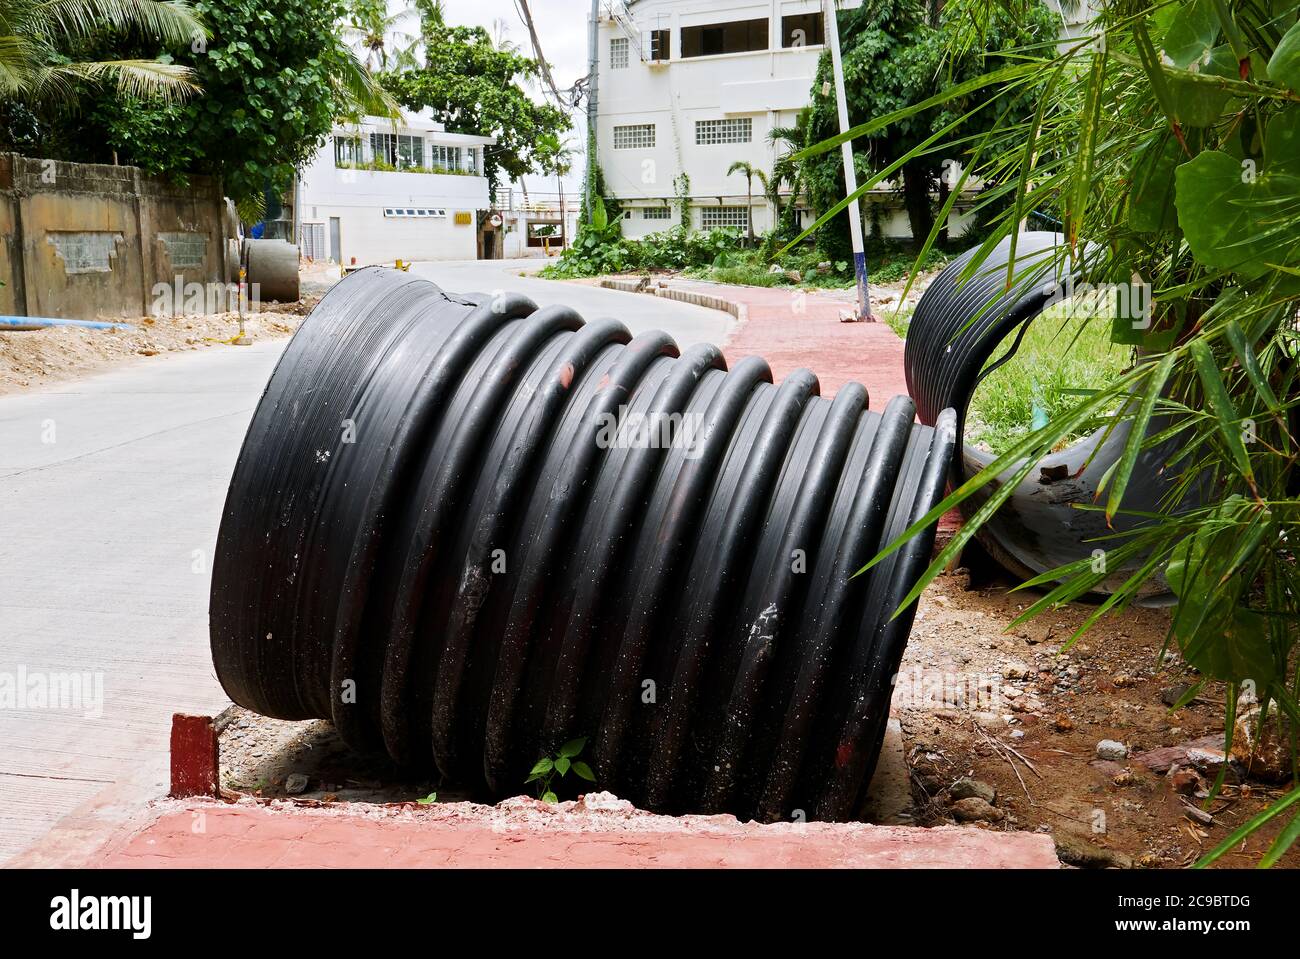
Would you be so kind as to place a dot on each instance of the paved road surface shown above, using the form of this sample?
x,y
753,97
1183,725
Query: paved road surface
x,y
688,324
111,491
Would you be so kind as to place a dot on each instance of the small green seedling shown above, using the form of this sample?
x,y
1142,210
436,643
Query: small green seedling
x,y
550,768
428,800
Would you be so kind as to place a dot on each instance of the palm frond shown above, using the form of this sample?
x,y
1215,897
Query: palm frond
x,y
142,79
171,22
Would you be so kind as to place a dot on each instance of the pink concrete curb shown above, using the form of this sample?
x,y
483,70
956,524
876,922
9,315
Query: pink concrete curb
x,y
597,831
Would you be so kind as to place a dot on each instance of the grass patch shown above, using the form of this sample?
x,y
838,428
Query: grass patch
x,y
1063,350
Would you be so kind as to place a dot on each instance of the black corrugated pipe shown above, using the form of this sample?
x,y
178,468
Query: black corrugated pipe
x,y
957,326
446,534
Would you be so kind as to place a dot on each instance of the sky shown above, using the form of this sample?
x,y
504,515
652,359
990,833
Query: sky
x,y
562,31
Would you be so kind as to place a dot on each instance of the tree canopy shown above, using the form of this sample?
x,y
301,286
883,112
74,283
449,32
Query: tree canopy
x,y
274,75
898,53
474,85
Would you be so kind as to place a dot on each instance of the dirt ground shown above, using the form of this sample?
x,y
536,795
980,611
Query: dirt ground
x,y
30,359
1033,719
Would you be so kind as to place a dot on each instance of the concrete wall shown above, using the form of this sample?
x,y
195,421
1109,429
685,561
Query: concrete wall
x,y
85,241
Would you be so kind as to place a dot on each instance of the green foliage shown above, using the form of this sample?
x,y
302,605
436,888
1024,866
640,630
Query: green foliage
x,y
274,75
720,256
1189,108
549,770
894,57
599,249
474,86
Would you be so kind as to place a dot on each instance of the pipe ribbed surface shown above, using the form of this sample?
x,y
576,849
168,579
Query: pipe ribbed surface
x,y
434,539
955,330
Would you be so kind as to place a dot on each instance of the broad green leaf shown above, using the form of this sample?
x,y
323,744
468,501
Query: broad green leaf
x,y
573,747
1284,65
1195,102
562,765
1151,196
542,767
1218,211
550,797
1192,34
582,770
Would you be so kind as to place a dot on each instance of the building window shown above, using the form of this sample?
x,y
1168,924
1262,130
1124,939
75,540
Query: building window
x,y
661,45
397,150
410,151
347,151
618,53
444,157
637,136
657,213
713,217
739,36
415,212
802,30
730,130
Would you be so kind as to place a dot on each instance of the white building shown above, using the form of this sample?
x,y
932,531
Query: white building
x,y
690,86
385,190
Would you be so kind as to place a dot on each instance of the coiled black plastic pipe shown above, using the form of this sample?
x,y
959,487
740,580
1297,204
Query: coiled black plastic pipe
x,y
434,539
958,325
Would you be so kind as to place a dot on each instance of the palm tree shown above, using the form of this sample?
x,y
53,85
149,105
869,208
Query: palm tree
x,y
751,172
786,170
38,39
377,34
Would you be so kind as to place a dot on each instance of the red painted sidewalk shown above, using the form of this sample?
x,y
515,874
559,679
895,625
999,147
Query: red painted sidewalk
x,y
792,329
596,831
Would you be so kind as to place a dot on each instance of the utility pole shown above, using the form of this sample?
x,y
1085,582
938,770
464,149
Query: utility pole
x,y
832,31
593,81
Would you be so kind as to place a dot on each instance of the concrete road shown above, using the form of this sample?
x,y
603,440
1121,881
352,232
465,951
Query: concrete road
x,y
688,324
111,492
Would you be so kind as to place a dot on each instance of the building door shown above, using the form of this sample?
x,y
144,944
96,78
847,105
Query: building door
x,y
336,247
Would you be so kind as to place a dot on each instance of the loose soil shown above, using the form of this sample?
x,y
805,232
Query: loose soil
x,y
31,359
1039,746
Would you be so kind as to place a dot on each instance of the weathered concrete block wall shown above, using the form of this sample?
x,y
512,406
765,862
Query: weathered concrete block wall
x,y
87,241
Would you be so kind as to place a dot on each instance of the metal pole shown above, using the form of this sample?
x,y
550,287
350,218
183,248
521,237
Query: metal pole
x,y
832,30
593,80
